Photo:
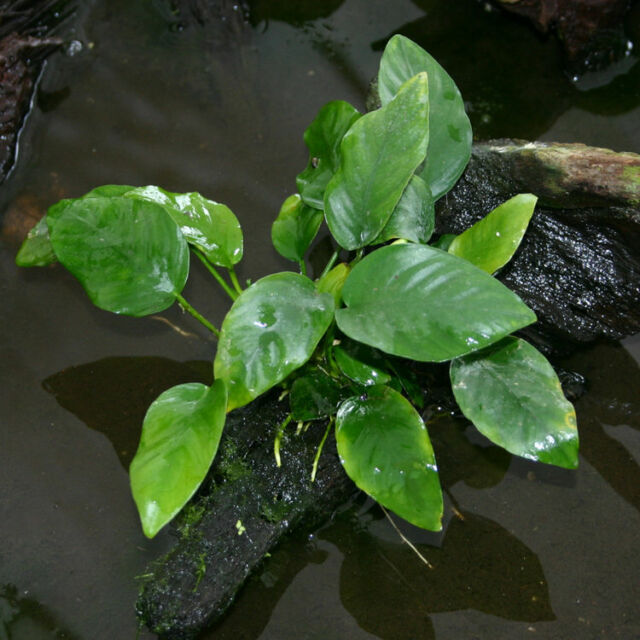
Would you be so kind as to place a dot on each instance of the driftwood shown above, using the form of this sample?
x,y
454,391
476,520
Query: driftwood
x,y
248,505
27,37
590,30
578,266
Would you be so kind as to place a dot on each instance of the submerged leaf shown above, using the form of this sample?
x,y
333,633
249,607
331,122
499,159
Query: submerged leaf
x,y
271,330
491,242
128,254
512,395
385,449
295,228
421,303
180,437
450,135
210,226
323,138
380,152
36,250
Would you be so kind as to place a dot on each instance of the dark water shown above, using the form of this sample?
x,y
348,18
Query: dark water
x,y
540,553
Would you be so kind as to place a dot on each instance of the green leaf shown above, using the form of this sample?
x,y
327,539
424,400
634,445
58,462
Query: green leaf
x,y
323,138
360,363
180,437
385,449
379,155
512,395
36,250
418,302
128,254
333,281
295,228
491,242
450,134
414,216
271,330
210,226
314,396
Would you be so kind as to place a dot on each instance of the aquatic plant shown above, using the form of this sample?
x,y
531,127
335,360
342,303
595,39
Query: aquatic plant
x,y
337,345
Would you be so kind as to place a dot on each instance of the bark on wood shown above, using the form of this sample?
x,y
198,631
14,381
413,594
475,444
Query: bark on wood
x,y
578,266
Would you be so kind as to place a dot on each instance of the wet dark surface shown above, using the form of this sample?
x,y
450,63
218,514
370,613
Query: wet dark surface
x,y
541,553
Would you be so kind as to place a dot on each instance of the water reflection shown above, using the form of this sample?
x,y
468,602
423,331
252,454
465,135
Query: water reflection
x,y
479,566
22,617
112,395
613,377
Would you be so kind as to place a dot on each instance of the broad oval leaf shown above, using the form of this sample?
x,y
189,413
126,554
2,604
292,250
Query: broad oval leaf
x,y
323,138
491,242
36,250
361,363
512,395
180,437
271,330
414,216
421,303
295,228
210,226
314,396
128,254
450,134
385,449
378,157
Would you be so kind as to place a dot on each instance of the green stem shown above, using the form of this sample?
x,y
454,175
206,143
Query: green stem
x,y
316,460
234,280
212,270
303,267
187,307
332,261
278,439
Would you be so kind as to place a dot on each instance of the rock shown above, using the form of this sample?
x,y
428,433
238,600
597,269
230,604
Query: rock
x,y
578,266
590,30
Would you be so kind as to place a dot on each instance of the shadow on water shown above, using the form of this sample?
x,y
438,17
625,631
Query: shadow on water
x,y
23,617
112,395
613,378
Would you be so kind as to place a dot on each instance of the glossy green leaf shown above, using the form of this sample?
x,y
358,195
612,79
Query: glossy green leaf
x,y
323,138
418,302
314,396
512,395
450,134
271,330
180,437
491,242
385,449
361,363
333,281
129,255
379,155
210,226
295,228
36,250
414,216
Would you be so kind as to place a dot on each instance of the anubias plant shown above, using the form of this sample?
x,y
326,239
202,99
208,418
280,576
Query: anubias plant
x,y
337,344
